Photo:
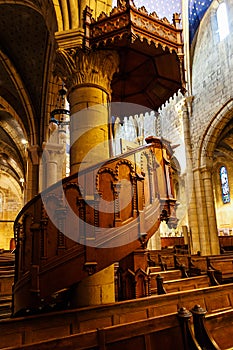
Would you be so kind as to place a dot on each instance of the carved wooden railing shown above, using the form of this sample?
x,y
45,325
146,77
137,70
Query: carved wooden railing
x,y
90,220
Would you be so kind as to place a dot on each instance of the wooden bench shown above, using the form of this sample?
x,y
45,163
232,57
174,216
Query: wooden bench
x,y
167,332
7,258
202,334
153,256
6,282
42,327
169,286
220,326
7,270
172,262
166,261
5,307
166,275
223,268
197,265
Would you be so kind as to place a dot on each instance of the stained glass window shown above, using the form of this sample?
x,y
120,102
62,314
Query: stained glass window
x,y
224,185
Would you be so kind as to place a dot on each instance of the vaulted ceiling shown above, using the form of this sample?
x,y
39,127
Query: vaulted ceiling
x,y
25,50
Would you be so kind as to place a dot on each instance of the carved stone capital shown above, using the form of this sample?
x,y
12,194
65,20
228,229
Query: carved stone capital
x,y
34,153
77,67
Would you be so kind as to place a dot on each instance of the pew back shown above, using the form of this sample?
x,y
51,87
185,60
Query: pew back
x,y
24,330
161,333
167,275
223,267
220,326
187,284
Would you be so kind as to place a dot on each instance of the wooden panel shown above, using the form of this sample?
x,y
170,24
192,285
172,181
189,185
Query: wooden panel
x,y
100,322
220,326
186,284
171,241
6,283
219,302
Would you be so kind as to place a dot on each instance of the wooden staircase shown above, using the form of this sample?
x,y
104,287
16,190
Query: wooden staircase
x,y
89,221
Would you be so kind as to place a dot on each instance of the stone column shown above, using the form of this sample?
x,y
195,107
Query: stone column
x,y
32,184
189,179
88,77
202,222
53,159
206,175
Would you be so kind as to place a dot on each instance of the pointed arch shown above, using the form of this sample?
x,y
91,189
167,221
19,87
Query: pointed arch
x,y
210,137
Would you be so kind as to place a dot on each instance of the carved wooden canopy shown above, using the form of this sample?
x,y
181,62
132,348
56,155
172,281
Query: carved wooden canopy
x,y
151,53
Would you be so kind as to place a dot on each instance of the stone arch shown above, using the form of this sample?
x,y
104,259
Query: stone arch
x,y
22,93
203,181
210,137
69,13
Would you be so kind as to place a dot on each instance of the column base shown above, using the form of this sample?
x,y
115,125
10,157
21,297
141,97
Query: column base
x,y
96,289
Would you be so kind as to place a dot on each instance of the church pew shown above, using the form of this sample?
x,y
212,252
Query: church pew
x,y
7,270
7,258
5,306
162,333
41,327
220,326
6,282
169,286
222,266
154,255
167,261
197,265
181,259
167,275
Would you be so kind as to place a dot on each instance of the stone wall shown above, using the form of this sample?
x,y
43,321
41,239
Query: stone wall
x,y
212,81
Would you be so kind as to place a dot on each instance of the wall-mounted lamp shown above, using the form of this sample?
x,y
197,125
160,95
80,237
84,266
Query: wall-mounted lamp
x,y
59,115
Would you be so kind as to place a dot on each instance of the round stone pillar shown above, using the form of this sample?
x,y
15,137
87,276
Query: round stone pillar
x,y
88,78
89,127
210,209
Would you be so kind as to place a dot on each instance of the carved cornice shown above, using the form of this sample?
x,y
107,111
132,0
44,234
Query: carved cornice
x,y
79,67
128,21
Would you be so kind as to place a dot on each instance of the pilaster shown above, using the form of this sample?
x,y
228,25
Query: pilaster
x,y
186,111
34,156
53,163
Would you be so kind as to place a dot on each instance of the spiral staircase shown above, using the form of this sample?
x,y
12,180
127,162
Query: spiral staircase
x,y
89,221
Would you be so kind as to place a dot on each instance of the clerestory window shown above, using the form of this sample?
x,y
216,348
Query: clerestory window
x,y
222,21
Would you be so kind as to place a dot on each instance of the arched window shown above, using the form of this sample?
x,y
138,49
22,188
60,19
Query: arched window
x,y
222,20
224,185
